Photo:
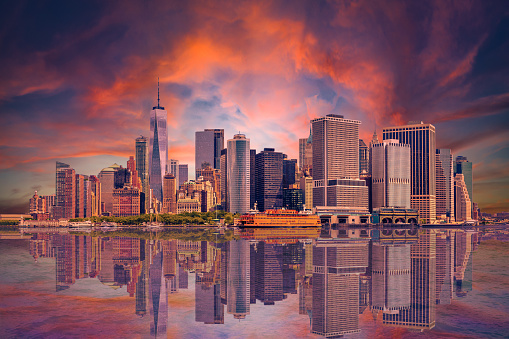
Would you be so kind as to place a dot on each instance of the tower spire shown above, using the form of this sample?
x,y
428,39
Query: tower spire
x,y
158,92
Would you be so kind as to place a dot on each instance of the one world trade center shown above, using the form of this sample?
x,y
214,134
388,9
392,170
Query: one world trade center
x,y
158,148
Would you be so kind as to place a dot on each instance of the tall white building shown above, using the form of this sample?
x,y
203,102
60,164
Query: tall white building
x,y
158,149
336,159
445,184
463,205
238,174
390,174
421,138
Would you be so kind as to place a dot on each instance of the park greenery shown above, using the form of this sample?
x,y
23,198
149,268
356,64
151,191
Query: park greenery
x,y
186,218
9,222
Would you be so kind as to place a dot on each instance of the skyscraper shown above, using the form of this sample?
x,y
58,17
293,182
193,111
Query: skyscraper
x,y
169,194
336,163
421,138
269,179
95,192
363,157
390,174
289,169
252,173
142,167
238,174
131,166
107,179
87,192
224,181
174,169
183,174
302,149
463,166
445,184
65,206
208,146
306,152
80,196
463,204
158,149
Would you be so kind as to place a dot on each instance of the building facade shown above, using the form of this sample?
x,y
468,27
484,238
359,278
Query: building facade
x,y
363,157
169,194
107,179
158,149
445,185
463,205
421,138
141,157
183,174
390,174
463,166
238,174
335,155
126,201
65,206
306,185
208,146
95,196
269,179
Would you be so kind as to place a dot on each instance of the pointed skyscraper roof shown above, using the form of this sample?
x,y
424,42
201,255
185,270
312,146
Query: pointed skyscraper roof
x,y
375,140
158,105
310,138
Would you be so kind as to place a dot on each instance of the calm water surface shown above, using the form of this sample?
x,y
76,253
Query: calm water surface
x,y
398,283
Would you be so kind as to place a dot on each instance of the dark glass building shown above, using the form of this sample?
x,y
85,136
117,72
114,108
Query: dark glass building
x,y
289,166
269,179
293,199
208,146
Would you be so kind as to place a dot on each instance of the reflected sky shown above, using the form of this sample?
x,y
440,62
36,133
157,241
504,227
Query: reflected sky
x,y
357,283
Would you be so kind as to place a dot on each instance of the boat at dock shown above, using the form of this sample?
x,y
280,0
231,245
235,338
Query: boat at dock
x,y
279,219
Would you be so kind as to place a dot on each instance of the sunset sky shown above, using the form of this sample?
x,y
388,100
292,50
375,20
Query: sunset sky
x,y
78,79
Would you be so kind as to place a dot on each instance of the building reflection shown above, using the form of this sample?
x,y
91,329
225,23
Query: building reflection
x,y
398,275
337,265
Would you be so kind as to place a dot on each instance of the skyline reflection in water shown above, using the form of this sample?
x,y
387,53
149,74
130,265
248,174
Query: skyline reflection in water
x,y
307,287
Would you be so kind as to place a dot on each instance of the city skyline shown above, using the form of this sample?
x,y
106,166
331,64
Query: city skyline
x,y
259,68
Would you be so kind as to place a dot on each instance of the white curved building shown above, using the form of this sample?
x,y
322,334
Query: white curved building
x,y
238,174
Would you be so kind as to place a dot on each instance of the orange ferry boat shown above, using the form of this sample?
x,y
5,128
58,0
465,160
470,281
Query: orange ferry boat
x,y
280,219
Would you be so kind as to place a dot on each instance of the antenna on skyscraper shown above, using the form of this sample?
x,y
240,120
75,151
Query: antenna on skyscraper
x,y
158,92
